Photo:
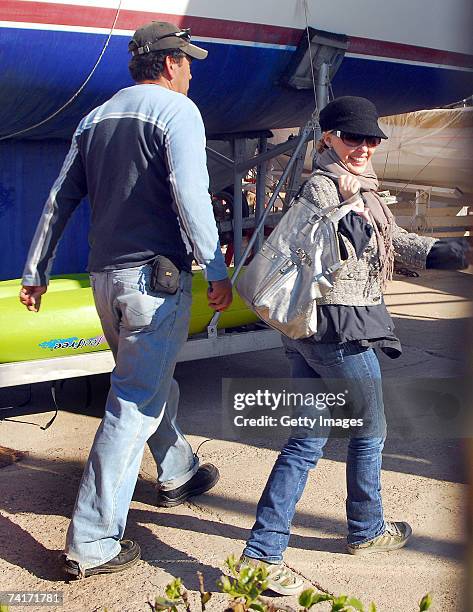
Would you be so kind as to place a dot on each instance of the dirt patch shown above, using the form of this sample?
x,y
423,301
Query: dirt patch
x,y
9,456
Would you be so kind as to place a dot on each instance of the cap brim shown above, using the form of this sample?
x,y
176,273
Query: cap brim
x,y
194,51
355,129
381,134
375,131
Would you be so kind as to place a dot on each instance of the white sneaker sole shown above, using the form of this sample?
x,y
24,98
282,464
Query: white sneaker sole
x,y
281,590
353,550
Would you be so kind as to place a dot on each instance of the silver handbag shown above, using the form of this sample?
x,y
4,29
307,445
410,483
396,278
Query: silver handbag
x,y
294,267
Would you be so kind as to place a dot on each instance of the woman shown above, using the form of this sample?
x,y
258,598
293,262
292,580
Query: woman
x,y
352,320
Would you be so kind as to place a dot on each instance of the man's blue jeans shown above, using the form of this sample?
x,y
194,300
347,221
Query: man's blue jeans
x,y
359,368
145,331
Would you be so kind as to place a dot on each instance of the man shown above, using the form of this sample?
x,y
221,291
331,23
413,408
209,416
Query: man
x,y
140,157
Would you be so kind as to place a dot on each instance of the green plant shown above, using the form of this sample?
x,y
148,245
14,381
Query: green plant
x,y
245,587
176,596
425,602
343,603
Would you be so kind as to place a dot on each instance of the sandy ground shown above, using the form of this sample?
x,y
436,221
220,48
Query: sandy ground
x,y
423,483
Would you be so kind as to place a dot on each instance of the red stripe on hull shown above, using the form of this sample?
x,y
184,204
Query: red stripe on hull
x,y
99,17
366,46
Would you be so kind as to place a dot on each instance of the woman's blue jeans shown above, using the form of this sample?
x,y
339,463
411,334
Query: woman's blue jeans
x,y
359,368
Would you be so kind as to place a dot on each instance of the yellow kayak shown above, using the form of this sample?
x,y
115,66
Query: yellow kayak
x,y
67,323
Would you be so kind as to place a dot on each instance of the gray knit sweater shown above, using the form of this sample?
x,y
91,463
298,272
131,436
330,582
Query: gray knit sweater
x,y
357,283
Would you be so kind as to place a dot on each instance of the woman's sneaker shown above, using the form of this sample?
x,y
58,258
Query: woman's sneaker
x,y
280,578
393,537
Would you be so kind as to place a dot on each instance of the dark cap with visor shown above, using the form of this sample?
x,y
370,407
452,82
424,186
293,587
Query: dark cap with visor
x,y
351,114
161,36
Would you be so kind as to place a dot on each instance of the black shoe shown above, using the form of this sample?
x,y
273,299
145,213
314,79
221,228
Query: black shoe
x,y
204,479
128,556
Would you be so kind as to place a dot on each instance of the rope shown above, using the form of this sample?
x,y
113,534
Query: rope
x,y
385,164
78,92
316,108
201,444
413,178
310,52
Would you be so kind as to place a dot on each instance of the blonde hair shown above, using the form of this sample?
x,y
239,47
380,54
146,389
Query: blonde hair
x,y
320,145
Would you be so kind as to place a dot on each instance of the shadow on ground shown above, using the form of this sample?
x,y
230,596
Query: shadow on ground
x,y
52,486
431,457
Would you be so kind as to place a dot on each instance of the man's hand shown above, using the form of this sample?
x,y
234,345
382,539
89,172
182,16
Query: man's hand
x,y
219,294
30,296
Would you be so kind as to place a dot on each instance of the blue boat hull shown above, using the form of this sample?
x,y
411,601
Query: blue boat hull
x,y
237,88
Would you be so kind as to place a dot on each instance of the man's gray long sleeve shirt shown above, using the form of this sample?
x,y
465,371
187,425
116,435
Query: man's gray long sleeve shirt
x,y
141,159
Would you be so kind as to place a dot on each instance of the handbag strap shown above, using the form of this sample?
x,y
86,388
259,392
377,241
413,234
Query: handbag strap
x,y
332,213
340,212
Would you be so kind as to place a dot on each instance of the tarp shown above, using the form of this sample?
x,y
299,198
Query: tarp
x,y
28,170
429,147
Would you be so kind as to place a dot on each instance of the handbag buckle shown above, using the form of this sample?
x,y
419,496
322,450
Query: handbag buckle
x,y
304,257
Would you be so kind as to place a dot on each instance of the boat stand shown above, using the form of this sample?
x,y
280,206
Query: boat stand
x,y
313,65
292,173
239,165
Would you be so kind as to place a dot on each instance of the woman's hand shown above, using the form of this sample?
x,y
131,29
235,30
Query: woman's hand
x,y
348,185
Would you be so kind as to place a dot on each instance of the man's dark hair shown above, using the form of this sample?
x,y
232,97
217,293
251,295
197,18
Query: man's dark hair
x,y
150,66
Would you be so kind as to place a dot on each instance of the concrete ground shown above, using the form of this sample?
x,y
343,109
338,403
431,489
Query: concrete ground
x,y
423,483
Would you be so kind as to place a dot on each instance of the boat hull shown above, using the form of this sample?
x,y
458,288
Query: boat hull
x,y
238,88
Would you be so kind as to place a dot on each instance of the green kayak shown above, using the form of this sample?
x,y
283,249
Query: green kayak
x,y
67,323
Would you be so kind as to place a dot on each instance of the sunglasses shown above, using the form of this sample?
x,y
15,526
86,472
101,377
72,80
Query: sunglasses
x,y
356,140
184,34
147,47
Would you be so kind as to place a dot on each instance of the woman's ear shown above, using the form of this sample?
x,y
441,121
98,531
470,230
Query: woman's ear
x,y
327,138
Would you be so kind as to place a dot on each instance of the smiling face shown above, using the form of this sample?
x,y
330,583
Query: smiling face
x,y
355,158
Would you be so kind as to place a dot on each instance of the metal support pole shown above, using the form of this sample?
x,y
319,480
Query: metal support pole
x,y
261,170
271,153
302,139
247,164
222,159
321,88
238,156
295,178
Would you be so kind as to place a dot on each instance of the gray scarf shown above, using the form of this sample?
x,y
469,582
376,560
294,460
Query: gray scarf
x,y
384,220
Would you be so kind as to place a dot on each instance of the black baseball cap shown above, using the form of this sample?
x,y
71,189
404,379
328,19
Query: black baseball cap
x,y
160,36
351,114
